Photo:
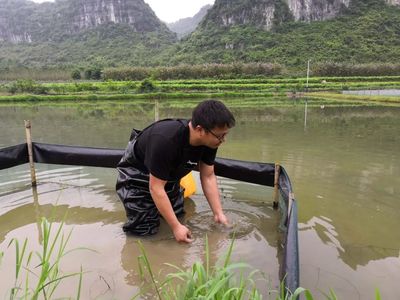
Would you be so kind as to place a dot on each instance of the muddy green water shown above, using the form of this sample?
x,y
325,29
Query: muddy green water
x,y
344,165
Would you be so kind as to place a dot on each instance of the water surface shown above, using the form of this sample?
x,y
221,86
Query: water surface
x,y
344,165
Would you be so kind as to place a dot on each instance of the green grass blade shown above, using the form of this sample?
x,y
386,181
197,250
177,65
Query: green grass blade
x,y
308,295
217,287
55,239
21,257
78,295
377,294
228,255
229,294
297,292
147,264
56,280
331,295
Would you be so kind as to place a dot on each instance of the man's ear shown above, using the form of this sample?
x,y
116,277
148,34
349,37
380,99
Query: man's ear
x,y
199,129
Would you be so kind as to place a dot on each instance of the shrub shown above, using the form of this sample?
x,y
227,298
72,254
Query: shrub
x,y
123,74
186,71
94,73
85,86
76,74
147,86
27,86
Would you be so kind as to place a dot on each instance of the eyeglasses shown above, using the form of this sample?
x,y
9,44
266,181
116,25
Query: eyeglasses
x,y
221,137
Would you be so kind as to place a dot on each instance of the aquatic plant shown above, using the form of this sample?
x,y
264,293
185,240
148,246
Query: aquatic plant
x,y
201,281
44,266
219,282
225,282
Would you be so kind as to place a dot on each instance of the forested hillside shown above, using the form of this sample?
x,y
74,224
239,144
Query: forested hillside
x,y
361,34
103,33
79,33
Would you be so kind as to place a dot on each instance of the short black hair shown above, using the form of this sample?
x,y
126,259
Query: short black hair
x,y
212,113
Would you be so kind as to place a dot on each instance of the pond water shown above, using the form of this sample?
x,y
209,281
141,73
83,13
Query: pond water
x,y
344,167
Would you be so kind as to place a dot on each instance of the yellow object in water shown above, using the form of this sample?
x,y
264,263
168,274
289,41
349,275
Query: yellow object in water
x,y
187,182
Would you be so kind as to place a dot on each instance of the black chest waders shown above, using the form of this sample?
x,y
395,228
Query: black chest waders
x,y
133,190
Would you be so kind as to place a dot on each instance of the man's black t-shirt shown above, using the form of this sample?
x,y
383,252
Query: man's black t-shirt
x,y
164,149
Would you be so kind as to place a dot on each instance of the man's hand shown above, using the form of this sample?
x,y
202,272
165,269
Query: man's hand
x,y
182,234
222,219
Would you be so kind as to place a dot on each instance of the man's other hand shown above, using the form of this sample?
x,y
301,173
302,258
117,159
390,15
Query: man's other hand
x,y
222,219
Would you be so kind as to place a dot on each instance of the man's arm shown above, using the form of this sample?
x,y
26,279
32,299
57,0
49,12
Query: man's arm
x,y
210,189
161,200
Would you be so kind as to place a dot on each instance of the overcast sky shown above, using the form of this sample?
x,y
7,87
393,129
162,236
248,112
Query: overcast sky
x,y
172,10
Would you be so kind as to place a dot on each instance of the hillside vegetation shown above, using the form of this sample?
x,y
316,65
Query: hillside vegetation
x,y
368,35
366,32
107,45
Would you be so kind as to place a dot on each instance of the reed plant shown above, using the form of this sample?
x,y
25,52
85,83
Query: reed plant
x,y
185,71
202,281
345,69
227,281
41,74
43,266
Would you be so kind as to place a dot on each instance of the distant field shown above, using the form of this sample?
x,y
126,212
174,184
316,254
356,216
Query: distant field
x,y
275,90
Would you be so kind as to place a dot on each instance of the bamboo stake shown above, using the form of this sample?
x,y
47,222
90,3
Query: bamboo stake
x,y
276,185
30,152
156,110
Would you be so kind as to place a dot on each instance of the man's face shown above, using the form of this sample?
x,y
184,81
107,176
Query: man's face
x,y
214,137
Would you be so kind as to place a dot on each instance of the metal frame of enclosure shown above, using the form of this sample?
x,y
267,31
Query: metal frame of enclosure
x,y
251,172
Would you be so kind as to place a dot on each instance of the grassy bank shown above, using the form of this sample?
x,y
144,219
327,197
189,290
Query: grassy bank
x,y
237,70
265,84
354,98
272,89
28,98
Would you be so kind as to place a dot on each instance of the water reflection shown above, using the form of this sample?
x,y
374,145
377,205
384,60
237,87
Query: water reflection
x,y
18,210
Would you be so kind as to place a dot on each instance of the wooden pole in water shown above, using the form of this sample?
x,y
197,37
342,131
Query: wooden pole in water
x,y
156,110
38,214
276,185
30,152
305,108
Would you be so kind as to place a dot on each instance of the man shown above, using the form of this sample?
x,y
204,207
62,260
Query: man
x,y
159,156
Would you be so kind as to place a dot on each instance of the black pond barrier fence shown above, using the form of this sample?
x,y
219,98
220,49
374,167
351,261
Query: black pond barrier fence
x,y
251,172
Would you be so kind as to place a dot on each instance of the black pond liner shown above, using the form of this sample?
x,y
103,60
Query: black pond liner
x,y
251,172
